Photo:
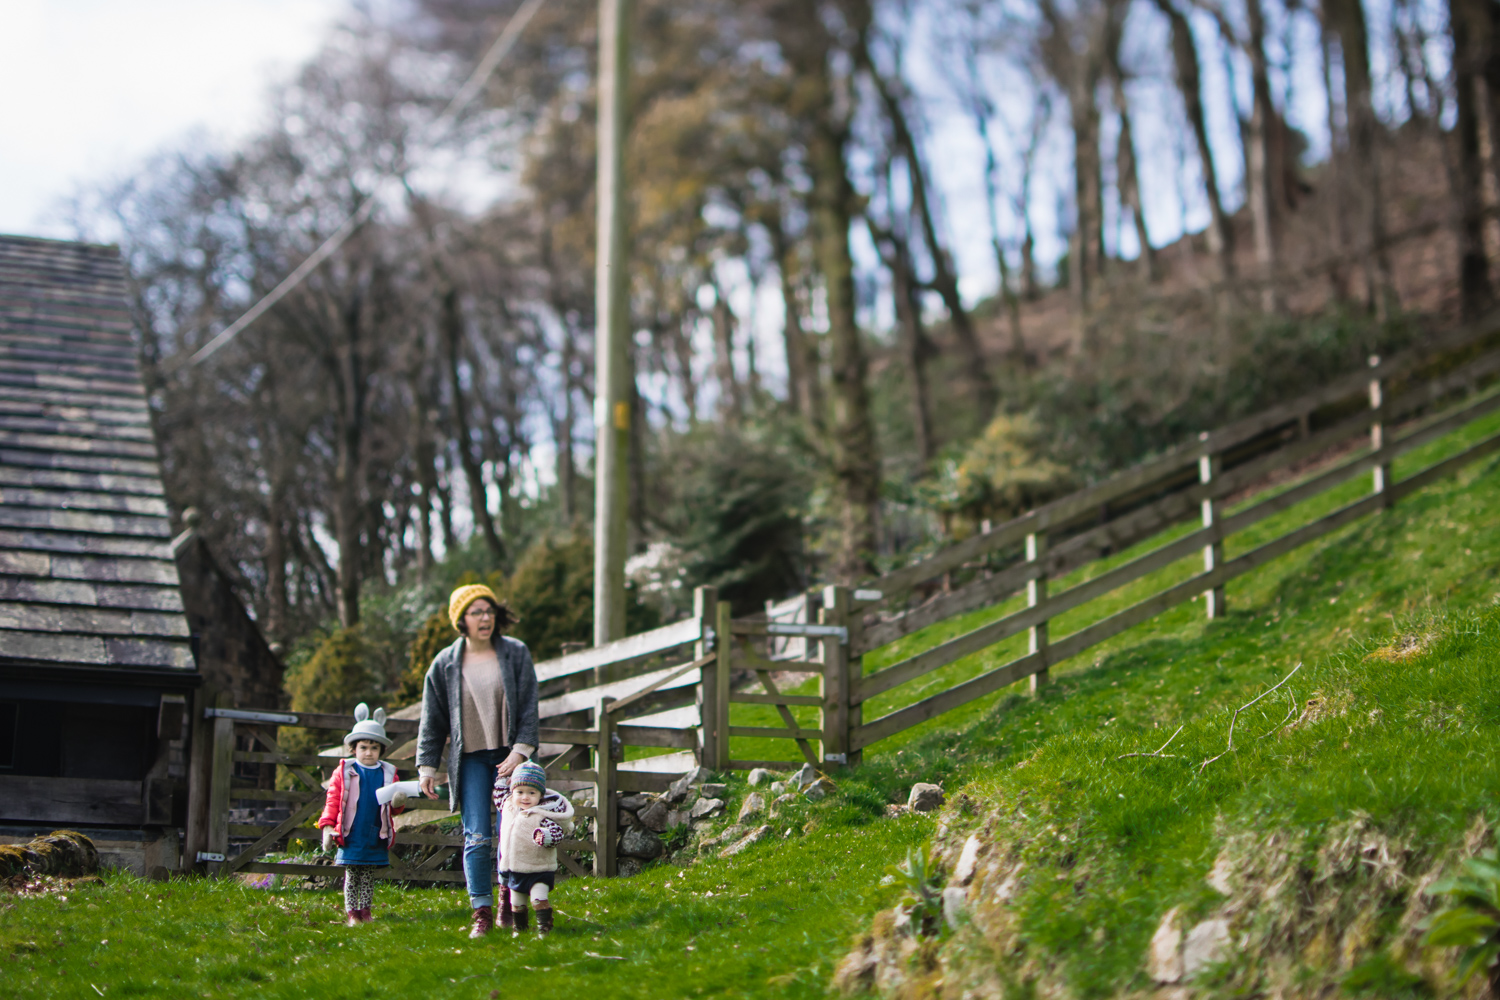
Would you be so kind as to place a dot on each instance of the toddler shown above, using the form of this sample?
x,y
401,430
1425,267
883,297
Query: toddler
x,y
532,822
354,819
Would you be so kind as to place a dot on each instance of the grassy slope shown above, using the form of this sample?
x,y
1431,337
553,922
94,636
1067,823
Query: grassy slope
x,y
802,898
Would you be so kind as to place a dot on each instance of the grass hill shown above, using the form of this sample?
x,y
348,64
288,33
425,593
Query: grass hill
x,y
1346,791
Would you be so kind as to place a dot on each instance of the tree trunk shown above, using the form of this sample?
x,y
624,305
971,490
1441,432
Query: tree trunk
x,y
801,366
1467,19
1347,19
1130,180
804,39
944,278
1259,163
348,512
463,440
915,348
1189,84
731,400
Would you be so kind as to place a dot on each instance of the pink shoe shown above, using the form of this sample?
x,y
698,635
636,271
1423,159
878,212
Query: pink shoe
x,y
351,918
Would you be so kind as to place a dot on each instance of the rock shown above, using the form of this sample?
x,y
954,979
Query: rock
x,y
654,816
626,867
640,842
627,819
968,860
778,787
713,791
677,817
1206,943
727,834
820,789
679,788
62,852
805,776
1218,876
635,802
925,797
748,840
583,797
753,804
1164,957
704,808
760,776
954,904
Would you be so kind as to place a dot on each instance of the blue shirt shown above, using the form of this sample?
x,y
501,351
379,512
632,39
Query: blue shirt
x,y
362,844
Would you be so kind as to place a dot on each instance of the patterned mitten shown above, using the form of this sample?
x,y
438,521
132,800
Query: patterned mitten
x,y
502,789
547,833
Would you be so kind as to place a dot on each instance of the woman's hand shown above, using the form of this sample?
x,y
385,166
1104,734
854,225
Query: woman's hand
x,y
429,786
508,765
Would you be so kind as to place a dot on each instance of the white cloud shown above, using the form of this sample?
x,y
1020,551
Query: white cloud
x,y
94,86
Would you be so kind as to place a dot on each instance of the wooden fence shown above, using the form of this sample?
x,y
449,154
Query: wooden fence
x,y
672,689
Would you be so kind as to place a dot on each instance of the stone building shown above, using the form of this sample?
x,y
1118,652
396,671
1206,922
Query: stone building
x,y
103,672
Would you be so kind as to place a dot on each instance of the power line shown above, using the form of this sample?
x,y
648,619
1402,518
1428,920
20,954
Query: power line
x,y
466,94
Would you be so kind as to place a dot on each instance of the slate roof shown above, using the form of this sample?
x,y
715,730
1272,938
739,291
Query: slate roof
x,y
86,571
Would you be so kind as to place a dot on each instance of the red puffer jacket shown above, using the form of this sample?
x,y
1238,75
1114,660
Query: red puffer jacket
x,y
343,796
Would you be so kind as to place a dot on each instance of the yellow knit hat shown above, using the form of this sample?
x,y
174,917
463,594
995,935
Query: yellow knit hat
x,y
465,596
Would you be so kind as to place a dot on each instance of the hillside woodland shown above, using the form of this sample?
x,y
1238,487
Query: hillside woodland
x,y
819,391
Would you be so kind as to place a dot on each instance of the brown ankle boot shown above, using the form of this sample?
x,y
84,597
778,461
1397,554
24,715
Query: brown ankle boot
x,y
522,921
507,916
543,921
484,921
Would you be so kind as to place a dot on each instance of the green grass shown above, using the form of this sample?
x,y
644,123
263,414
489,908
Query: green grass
x,y
1142,832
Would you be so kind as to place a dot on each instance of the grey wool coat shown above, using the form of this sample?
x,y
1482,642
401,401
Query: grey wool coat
x,y
442,704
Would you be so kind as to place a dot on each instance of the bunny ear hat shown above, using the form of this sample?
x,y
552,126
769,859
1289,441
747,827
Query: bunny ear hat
x,y
367,728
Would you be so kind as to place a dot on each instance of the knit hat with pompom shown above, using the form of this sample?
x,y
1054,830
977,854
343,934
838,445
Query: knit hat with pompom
x,y
465,596
530,773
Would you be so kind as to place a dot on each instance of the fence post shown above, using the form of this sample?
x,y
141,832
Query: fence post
x,y
1036,593
1209,468
705,609
606,812
1381,475
724,644
221,776
854,670
834,683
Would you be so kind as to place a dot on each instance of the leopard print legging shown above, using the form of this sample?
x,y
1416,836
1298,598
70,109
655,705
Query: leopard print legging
x,y
359,887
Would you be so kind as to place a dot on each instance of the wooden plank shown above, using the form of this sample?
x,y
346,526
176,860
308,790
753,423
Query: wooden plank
x,y
269,840
305,759
775,699
571,865
657,736
634,647
676,672
273,795
221,773
945,701
71,800
772,732
605,819
334,871
787,717
1446,467
588,697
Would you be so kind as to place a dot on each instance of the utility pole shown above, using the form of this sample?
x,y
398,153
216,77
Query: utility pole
x,y
612,374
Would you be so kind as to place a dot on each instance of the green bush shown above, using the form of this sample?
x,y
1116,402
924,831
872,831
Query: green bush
x,y
552,595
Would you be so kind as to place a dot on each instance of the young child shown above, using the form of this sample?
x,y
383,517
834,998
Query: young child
x,y
354,819
532,821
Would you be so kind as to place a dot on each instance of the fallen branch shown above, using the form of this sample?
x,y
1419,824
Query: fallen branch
x,y
1292,700
1158,751
1235,718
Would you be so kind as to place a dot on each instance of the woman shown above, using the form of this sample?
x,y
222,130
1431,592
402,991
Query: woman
x,y
480,694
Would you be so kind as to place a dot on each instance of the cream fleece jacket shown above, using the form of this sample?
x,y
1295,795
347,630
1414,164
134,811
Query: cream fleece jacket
x,y
523,832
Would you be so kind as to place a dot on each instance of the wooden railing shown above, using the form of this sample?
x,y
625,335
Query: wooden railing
x,y
673,688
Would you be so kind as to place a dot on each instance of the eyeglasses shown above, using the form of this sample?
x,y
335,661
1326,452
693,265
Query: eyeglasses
x,y
480,613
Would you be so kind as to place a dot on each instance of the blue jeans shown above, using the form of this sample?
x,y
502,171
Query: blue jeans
x,y
476,807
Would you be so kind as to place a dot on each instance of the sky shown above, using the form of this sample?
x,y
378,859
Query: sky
x,y
92,87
